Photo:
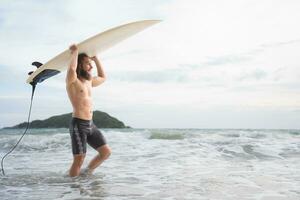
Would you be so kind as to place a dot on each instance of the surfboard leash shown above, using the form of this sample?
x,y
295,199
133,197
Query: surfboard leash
x,y
27,127
40,77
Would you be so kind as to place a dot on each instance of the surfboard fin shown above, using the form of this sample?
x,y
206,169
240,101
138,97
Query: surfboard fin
x,y
29,73
37,64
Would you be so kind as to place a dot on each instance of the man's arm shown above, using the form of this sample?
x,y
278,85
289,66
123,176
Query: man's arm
x,y
100,78
71,73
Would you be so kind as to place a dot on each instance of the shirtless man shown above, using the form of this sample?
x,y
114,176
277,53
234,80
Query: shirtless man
x,y
79,83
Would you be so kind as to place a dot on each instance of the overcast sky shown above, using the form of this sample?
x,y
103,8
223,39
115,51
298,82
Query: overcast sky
x,y
209,64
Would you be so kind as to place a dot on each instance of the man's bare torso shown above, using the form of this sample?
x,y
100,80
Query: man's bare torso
x,y
81,98
79,82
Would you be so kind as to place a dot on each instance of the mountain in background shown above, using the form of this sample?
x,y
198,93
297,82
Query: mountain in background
x,y
101,120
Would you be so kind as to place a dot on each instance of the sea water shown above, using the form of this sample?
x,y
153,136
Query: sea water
x,y
156,164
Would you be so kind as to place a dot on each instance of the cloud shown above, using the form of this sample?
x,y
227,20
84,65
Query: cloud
x,y
155,77
205,57
34,32
254,75
278,44
200,29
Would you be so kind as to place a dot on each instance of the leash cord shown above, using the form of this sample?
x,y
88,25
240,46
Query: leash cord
x,y
27,127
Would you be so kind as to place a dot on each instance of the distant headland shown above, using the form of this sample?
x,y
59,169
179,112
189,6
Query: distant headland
x,y
101,120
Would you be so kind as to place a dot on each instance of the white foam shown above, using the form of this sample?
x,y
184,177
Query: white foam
x,y
205,164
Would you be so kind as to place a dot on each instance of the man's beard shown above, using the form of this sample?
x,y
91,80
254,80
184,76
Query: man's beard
x,y
85,75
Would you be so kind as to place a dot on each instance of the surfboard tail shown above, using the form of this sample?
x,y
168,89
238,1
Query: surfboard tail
x,y
43,75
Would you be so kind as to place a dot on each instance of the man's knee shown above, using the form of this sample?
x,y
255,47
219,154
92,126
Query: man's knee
x,y
105,152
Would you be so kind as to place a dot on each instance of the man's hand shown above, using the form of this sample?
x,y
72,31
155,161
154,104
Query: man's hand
x,y
73,48
94,58
100,78
71,73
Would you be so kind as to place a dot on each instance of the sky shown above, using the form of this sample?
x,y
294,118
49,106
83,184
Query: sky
x,y
208,64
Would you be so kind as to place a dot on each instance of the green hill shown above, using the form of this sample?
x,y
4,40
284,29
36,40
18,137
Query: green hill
x,y
101,120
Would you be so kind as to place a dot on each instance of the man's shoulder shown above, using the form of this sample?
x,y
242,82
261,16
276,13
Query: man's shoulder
x,y
79,83
74,83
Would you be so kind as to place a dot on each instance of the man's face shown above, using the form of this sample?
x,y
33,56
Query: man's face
x,y
86,65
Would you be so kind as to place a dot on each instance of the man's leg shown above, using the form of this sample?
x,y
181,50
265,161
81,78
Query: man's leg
x,y
103,154
77,163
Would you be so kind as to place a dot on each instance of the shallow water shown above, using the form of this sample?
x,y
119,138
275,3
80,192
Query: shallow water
x,y
156,164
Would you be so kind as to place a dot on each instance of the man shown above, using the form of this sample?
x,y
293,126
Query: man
x,y
79,82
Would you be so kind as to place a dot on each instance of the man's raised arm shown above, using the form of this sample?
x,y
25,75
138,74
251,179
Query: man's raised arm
x,y
100,78
71,73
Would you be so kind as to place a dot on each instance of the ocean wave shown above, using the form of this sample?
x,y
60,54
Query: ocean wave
x,y
250,151
294,132
198,162
165,135
35,142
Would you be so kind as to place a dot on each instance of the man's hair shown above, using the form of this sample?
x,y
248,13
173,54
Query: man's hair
x,y
79,70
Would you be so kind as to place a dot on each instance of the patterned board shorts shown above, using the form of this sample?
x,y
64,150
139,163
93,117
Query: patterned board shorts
x,y
82,132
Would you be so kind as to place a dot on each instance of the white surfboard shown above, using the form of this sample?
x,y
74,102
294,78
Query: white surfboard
x,y
91,46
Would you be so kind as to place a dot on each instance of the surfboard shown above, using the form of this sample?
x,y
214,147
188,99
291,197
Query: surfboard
x,y
91,46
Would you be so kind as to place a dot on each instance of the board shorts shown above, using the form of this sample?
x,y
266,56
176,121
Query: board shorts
x,y
82,132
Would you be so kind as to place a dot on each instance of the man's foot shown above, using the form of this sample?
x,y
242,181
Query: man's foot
x,y
86,171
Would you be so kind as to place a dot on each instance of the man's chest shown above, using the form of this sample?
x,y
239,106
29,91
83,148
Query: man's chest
x,y
84,89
